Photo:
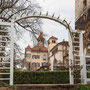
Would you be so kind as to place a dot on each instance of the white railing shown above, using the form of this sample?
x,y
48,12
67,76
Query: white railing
x,y
7,59
72,55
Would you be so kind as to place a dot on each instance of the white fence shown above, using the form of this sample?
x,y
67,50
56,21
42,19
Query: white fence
x,y
6,50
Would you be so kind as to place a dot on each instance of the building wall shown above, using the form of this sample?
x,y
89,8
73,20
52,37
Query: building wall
x,y
40,60
58,55
32,60
51,45
28,58
79,8
82,17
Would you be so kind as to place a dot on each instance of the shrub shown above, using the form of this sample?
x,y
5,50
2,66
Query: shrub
x,y
83,87
41,77
44,77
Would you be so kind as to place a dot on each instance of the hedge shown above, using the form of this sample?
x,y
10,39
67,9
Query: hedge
x,y
82,87
44,77
41,77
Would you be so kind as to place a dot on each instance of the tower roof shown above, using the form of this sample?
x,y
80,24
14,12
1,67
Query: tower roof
x,y
52,37
28,47
40,36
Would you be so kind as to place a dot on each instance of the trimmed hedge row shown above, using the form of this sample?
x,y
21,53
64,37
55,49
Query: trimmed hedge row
x,y
41,77
44,77
83,87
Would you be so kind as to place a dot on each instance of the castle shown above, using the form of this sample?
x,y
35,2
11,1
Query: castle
x,y
42,58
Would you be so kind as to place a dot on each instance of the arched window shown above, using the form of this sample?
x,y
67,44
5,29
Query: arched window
x,y
53,41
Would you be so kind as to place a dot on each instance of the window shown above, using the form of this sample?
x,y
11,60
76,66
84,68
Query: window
x,y
88,52
40,40
34,64
38,64
53,41
84,3
35,57
43,64
44,57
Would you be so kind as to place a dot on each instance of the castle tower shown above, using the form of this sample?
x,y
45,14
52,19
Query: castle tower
x,y
52,42
40,40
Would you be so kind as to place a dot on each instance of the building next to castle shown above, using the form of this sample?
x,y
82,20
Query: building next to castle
x,y
58,54
52,57
82,21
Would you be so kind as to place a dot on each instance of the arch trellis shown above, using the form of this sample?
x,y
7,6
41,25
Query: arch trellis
x,y
46,16
71,33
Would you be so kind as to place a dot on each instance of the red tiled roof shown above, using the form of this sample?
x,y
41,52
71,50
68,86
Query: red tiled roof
x,y
52,37
28,47
40,36
39,48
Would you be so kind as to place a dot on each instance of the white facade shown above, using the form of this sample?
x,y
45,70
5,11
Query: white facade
x,y
58,54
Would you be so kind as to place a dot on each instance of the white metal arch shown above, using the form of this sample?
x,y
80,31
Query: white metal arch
x,y
46,16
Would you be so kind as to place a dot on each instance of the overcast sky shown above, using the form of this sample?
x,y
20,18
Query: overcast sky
x,y
64,8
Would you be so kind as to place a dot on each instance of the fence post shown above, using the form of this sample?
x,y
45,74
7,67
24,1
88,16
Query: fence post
x,y
82,60
12,53
70,59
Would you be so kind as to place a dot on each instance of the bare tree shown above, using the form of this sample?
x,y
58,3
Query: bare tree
x,y
9,9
